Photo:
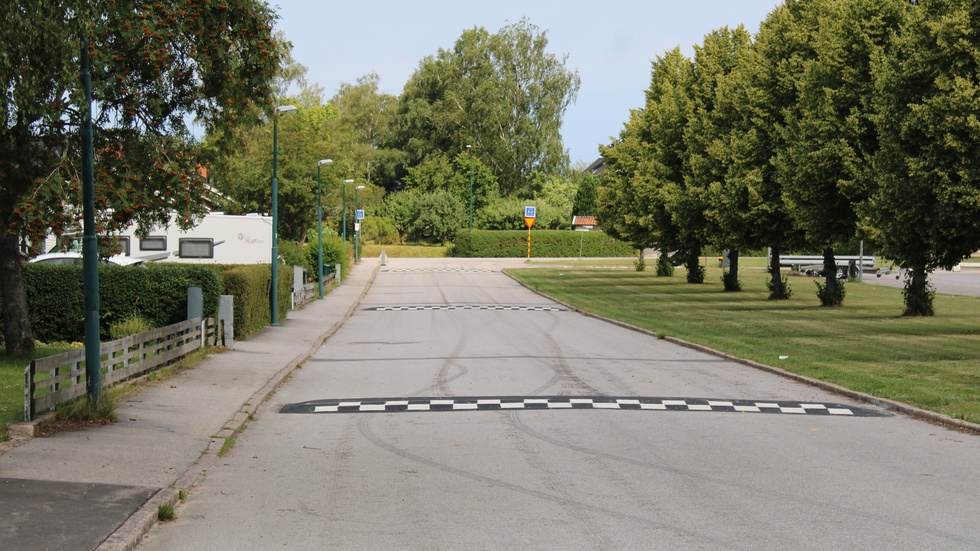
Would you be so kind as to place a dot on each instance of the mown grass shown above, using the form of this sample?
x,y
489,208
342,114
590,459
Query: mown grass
x,y
370,250
865,345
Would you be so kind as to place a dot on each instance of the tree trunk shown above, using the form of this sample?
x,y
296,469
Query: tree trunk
x,y
664,267
778,290
918,293
832,294
695,272
730,278
18,335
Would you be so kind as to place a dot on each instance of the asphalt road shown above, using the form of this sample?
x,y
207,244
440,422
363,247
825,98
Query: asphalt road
x,y
964,282
700,454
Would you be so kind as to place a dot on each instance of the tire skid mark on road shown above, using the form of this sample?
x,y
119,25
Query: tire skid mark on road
x,y
546,474
570,382
366,431
632,495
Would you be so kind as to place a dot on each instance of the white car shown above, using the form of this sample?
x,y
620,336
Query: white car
x,y
76,258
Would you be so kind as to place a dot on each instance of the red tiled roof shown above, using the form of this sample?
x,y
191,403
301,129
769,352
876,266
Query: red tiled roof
x,y
584,221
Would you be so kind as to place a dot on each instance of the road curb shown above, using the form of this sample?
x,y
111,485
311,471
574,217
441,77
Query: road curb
x,y
901,407
128,536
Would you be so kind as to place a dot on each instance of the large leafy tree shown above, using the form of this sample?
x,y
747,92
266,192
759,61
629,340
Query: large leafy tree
x,y
504,94
924,210
439,173
829,136
712,119
155,65
360,130
647,164
244,175
761,90
586,198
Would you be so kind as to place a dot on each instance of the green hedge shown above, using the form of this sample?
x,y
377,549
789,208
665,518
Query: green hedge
x,y
158,293
250,285
544,244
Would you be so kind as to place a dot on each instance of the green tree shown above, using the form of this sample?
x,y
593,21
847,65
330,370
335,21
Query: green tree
x,y
502,93
244,174
621,214
648,165
153,66
712,120
439,173
829,136
435,216
554,203
360,131
502,214
760,91
586,196
924,207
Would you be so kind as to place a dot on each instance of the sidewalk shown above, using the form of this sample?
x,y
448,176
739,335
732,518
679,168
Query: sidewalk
x,y
100,487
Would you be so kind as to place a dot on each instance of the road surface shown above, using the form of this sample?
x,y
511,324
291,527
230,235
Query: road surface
x,y
458,410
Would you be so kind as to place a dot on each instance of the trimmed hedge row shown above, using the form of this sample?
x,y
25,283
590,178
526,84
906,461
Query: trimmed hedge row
x,y
544,244
250,284
158,293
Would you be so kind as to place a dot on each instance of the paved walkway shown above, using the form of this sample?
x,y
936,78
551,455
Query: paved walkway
x,y
99,488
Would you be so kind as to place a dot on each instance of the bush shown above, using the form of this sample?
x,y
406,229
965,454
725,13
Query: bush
x,y
134,324
335,251
381,231
157,293
544,244
832,295
250,285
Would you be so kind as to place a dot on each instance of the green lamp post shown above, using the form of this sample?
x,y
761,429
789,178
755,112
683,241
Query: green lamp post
x,y
357,232
344,222
469,149
274,302
319,227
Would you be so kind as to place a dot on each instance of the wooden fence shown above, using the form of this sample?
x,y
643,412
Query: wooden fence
x,y
56,379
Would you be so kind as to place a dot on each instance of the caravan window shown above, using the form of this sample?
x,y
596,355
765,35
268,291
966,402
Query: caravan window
x,y
196,248
153,243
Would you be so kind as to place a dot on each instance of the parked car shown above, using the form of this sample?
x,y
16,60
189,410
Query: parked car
x,y
76,258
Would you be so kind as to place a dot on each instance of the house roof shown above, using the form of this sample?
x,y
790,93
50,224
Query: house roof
x,y
598,166
584,221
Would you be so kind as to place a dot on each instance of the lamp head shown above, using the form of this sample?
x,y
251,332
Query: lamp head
x,y
359,187
324,161
348,181
283,109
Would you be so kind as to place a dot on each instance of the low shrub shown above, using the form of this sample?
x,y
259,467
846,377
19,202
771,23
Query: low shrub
x,y
134,324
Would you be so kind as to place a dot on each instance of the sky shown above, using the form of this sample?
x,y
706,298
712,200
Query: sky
x,y
610,43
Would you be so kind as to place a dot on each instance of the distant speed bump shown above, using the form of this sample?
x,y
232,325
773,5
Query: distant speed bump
x,y
485,403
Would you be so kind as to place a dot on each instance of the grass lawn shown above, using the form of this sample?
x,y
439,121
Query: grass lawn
x,y
369,250
865,345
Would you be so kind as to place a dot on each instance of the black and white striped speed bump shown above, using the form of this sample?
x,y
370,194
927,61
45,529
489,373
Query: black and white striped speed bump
x,y
439,271
482,403
422,307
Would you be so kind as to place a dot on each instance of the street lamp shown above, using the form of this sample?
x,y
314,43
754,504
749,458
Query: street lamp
x,y
469,149
282,109
319,228
344,222
357,233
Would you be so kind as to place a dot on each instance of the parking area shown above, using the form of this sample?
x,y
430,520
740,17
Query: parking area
x,y
964,282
